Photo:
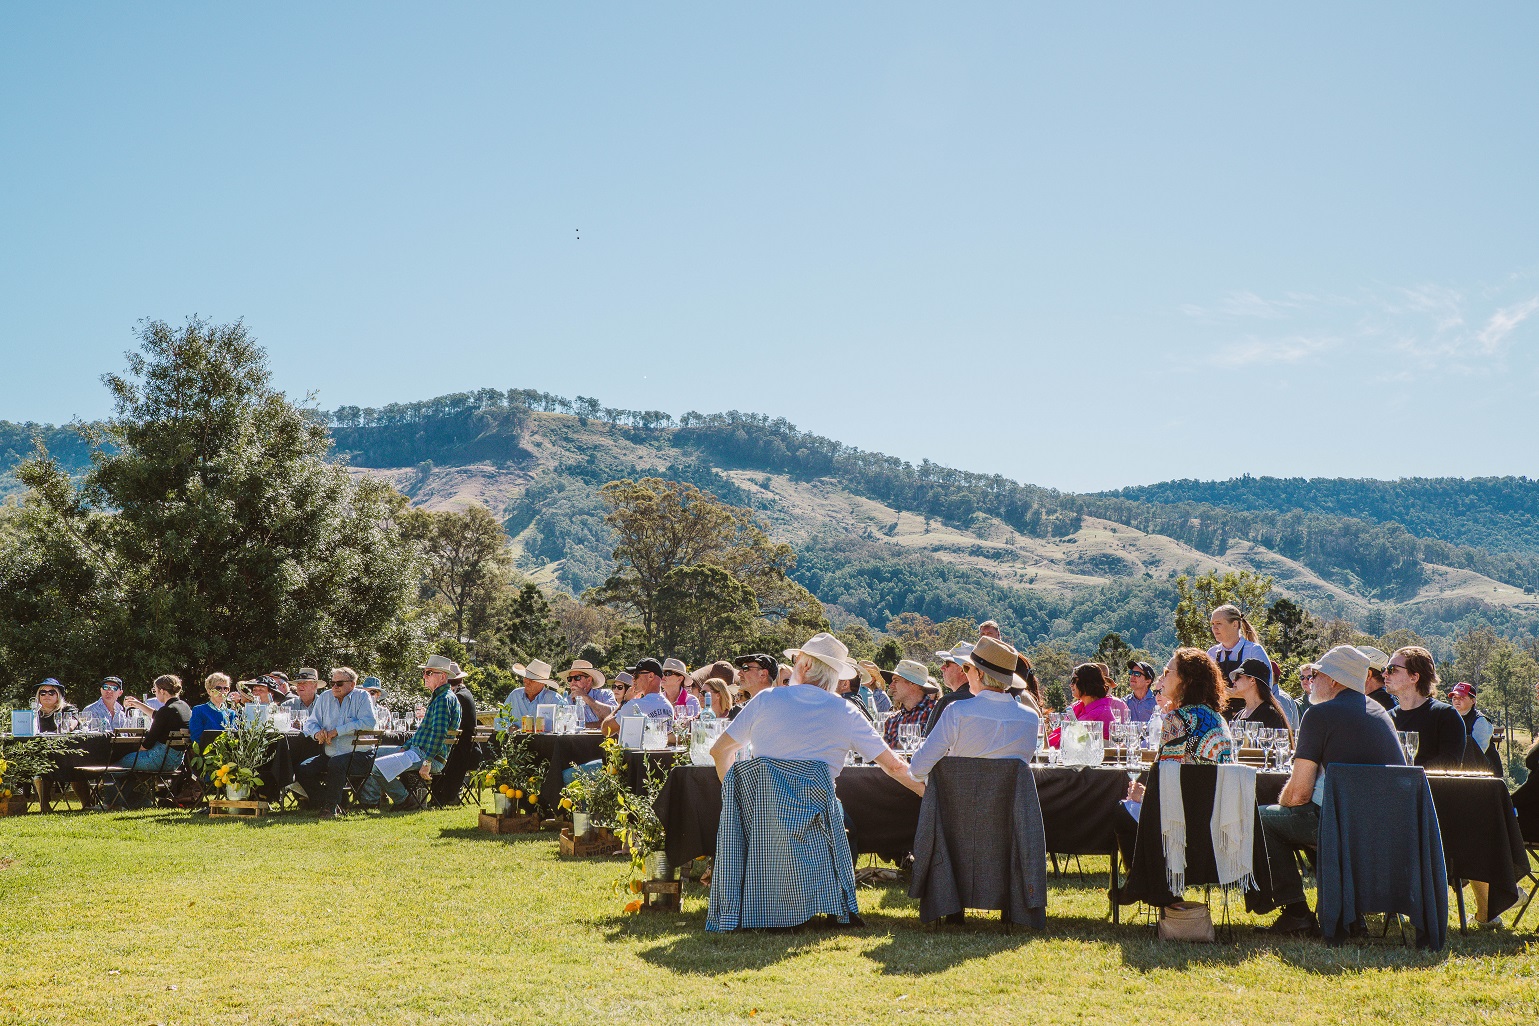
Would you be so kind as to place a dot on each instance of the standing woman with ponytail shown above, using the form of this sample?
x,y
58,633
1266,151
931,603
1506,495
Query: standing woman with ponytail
x,y
1237,642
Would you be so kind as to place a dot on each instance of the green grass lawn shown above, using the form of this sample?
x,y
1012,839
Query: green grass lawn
x,y
158,917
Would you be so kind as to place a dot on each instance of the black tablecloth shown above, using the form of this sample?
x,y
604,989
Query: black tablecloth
x,y
1077,807
278,771
1481,840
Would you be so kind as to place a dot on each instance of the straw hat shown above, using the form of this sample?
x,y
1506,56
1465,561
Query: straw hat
x,y
996,661
538,670
827,649
583,666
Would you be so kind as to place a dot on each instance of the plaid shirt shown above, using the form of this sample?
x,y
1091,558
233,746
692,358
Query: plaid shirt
x,y
919,714
781,854
442,716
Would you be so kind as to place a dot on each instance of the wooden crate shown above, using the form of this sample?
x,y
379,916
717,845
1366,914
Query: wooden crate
x,y
526,824
661,895
218,807
601,842
15,805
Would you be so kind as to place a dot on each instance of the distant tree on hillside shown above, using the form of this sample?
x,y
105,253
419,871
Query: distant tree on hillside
x,y
209,533
1201,595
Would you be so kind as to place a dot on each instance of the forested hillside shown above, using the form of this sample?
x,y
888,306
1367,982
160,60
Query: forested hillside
x,y
1500,514
877,535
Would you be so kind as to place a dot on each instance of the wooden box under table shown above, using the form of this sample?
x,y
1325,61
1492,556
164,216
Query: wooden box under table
x,y
13,806
600,841
218,807
525,824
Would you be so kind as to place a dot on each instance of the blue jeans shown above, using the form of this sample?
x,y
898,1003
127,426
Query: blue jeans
x,y
369,791
1287,829
159,759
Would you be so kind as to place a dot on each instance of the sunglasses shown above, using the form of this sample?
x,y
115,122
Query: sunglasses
x,y
1138,673
1306,677
48,694
1394,666
340,683
112,687
217,687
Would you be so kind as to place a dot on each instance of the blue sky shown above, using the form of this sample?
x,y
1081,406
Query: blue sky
x,y
1081,245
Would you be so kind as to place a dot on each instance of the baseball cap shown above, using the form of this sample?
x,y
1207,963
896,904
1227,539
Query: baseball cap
x,y
649,665
758,659
1464,689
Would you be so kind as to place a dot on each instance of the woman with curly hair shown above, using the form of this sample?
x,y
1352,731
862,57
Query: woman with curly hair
x,y
1191,690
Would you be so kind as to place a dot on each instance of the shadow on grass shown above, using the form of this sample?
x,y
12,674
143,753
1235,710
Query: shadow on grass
x,y
471,833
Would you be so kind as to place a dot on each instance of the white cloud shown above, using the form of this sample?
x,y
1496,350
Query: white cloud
x,y
1427,327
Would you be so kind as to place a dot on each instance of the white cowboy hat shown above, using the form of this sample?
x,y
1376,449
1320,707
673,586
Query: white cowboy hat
x,y
537,670
826,648
583,666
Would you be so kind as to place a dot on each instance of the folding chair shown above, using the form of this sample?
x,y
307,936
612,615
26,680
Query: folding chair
x,y
470,790
365,742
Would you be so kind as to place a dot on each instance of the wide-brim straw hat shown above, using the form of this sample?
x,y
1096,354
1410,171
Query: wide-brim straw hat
x,y
829,650
537,670
915,672
583,666
438,662
996,661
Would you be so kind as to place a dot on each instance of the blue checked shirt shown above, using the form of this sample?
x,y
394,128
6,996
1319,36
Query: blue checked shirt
x,y
347,718
795,864
442,716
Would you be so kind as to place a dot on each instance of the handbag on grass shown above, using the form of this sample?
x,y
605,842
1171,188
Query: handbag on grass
x,y
1186,921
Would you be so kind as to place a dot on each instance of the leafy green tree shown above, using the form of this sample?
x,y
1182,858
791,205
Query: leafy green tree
x,y
1115,653
1294,631
466,562
209,533
1054,665
704,612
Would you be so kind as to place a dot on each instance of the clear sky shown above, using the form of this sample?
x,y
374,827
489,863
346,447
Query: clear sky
x,y
1083,245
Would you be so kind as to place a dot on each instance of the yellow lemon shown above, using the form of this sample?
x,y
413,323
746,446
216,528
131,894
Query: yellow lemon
x,y
518,794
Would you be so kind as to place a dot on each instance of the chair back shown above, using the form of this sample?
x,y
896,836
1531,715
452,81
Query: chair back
x,y
980,842
782,856
367,740
1381,850
1154,871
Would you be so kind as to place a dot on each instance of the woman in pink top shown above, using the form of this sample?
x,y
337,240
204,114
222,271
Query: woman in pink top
x,y
1090,686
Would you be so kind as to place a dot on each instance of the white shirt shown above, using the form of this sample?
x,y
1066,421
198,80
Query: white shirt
x,y
990,725
802,721
652,705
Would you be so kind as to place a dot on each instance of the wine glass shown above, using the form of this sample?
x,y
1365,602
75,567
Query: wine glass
x,y
1281,744
1264,742
1412,746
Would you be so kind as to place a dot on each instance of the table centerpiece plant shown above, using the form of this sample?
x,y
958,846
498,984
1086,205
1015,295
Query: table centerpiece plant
x,y
24,759
593,796
232,760
515,777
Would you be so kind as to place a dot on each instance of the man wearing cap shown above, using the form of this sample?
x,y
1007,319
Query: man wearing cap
x,y
755,673
954,676
675,676
585,683
109,708
1479,754
538,690
646,696
306,684
1141,697
1342,725
280,681
807,720
914,695
426,750
991,726
336,717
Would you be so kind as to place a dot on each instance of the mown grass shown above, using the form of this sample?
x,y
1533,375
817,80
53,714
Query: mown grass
x,y
158,917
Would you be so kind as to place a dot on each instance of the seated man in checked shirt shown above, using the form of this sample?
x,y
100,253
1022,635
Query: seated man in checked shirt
x,y
425,751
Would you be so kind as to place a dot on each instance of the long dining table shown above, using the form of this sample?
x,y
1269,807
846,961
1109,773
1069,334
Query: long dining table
x,y
1481,839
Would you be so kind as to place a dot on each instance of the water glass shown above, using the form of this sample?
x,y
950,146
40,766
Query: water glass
x,y
1412,745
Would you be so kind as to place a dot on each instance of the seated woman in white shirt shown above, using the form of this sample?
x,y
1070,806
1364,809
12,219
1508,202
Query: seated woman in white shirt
x,y
992,725
807,720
